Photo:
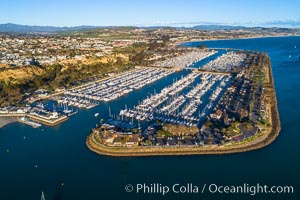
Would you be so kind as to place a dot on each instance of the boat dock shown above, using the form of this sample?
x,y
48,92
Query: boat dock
x,y
226,62
35,115
178,103
186,59
108,90
48,121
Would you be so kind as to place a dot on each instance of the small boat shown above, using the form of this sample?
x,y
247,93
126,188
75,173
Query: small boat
x,y
96,114
25,120
43,196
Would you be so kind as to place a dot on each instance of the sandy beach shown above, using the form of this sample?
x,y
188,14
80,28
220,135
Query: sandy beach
x,y
7,120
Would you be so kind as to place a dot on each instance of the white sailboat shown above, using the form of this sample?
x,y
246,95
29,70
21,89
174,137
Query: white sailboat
x,y
109,111
43,196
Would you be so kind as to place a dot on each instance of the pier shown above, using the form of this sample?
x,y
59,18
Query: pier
x,y
47,121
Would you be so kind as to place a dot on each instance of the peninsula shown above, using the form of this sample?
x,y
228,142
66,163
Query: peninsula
x,y
244,116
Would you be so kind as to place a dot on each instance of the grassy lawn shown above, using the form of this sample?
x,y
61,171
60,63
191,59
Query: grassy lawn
x,y
247,126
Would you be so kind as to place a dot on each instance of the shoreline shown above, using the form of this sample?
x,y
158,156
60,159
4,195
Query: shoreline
x,y
262,140
8,119
4,121
242,38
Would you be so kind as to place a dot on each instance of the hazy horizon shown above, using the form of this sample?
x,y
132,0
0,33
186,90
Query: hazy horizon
x,y
173,25
151,13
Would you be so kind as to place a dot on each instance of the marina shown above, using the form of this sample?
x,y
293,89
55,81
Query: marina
x,y
186,59
178,103
188,101
226,62
192,101
90,95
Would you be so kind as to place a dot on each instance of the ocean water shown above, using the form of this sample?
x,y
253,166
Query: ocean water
x,y
55,159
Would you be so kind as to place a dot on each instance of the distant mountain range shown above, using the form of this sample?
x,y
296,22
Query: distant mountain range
x,y
27,29
16,28
217,27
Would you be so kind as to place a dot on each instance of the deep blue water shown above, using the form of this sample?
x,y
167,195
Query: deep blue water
x,y
62,157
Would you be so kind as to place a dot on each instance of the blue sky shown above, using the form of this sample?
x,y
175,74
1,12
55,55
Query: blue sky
x,y
155,12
